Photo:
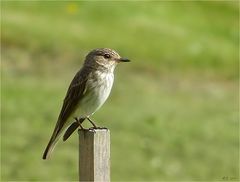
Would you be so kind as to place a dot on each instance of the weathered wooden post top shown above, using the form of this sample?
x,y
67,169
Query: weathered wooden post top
x,y
94,155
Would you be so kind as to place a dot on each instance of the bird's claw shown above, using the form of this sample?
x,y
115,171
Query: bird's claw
x,y
98,128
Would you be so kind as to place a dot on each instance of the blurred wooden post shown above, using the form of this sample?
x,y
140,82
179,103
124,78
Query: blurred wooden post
x,y
94,155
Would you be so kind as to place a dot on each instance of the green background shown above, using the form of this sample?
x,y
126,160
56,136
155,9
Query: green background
x,y
173,111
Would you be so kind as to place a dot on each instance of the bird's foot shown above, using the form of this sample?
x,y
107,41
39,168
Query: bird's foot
x,y
95,127
98,128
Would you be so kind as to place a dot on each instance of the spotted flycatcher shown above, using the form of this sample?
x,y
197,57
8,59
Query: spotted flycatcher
x,y
87,92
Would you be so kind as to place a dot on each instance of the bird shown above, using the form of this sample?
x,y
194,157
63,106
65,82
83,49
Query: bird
x,y
87,92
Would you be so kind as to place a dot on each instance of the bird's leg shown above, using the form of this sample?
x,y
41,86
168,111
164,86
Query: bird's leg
x,y
94,125
80,123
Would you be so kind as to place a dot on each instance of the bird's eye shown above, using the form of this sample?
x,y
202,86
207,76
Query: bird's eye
x,y
106,56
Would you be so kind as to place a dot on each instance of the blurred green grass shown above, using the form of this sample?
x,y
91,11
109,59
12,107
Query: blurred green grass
x,y
173,112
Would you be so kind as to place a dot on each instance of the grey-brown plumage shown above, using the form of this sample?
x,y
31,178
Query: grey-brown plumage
x,y
87,92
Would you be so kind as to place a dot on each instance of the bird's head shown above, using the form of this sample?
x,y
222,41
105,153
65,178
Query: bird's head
x,y
104,58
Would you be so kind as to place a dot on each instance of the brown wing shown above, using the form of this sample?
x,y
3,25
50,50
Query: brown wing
x,y
74,95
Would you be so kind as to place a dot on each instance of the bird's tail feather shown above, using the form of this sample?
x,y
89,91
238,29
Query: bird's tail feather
x,y
57,134
72,128
53,140
51,144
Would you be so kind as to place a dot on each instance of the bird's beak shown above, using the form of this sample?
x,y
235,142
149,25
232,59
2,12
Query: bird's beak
x,y
123,60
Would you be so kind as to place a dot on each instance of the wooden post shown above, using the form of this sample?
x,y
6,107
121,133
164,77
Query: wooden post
x,y
94,155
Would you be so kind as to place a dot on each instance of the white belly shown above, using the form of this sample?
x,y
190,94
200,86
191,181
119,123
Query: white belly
x,y
96,94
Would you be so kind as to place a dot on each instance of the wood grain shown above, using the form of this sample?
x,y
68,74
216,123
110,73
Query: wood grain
x,y
94,155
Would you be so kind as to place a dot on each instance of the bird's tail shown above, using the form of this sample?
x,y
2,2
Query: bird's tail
x,y
51,144
72,128
57,134
53,140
